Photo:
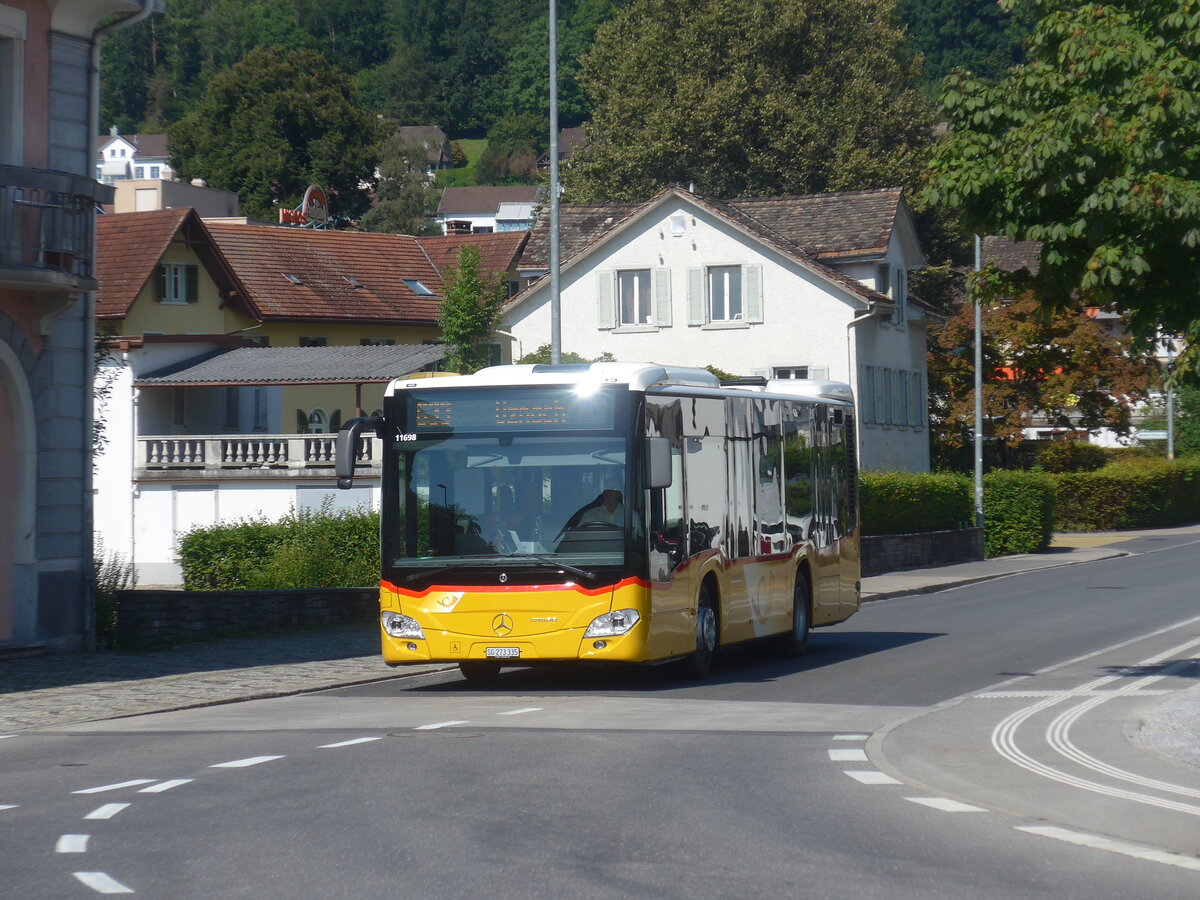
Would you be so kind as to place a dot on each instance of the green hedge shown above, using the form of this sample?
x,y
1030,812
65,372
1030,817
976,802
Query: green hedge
x,y
309,549
908,502
1018,512
1145,493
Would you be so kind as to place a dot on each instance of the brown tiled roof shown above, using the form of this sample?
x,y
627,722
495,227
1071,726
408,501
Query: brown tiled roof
x,y
498,251
146,144
323,261
128,247
458,200
1010,255
578,227
829,226
431,137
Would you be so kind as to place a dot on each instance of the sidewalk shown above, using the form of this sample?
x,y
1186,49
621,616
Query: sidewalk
x,y
44,691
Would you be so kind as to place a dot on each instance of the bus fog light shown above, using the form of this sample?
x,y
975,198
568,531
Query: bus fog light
x,y
412,646
399,626
600,645
619,621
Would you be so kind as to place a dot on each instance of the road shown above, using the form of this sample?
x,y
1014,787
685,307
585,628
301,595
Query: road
x,y
967,743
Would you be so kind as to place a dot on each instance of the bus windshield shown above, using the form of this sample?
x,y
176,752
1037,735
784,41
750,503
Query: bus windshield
x,y
483,499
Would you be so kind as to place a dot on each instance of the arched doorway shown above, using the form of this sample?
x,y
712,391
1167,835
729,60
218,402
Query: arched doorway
x,y
17,513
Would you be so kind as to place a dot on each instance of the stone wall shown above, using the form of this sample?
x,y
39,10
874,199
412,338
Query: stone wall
x,y
891,552
154,617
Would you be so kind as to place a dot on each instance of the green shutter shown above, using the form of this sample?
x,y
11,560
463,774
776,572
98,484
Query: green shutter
x,y
192,279
160,284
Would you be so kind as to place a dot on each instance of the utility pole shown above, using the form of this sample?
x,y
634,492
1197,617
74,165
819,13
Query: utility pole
x,y
555,298
978,389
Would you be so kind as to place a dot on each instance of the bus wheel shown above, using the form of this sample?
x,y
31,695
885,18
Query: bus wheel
x,y
480,672
795,641
700,662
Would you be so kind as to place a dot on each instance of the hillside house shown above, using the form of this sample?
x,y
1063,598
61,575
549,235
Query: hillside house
x,y
483,210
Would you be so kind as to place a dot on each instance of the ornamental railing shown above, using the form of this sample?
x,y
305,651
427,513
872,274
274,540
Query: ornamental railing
x,y
221,453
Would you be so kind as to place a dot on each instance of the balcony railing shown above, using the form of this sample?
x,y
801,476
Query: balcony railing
x,y
47,226
206,455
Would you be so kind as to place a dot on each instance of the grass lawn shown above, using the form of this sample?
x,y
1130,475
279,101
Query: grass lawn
x,y
465,176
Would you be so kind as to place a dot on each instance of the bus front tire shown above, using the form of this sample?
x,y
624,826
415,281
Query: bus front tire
x,y
700,662
480,672
795,642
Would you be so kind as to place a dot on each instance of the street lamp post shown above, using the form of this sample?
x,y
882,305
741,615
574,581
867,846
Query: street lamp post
x,y
978,391
555,299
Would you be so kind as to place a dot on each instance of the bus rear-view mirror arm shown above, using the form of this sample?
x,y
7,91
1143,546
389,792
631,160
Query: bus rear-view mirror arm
x,y
346,447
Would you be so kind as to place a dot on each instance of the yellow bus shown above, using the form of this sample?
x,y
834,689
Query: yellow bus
x,y
610,512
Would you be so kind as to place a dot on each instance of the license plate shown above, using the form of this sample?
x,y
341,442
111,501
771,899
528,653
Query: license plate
x,y
502,652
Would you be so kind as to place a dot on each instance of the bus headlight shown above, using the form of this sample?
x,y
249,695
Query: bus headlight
x,y
618,621
401,626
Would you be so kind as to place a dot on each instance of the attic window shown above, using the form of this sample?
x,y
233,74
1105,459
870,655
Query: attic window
x,y
354,282
417,288
292,278
678,223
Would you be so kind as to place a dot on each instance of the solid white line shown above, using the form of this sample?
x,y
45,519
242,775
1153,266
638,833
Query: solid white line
x,y
8,806
114,787
848,755
850,737
242,763
362,740
72,843
440,725
1097,842
107,811
945,804
103,883
517,712
165,786
872,777
992,695
3,736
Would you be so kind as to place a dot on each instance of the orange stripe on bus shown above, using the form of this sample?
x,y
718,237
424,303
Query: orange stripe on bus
x,y
504,588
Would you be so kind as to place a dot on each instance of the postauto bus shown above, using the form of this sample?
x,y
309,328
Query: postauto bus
x,y
611,512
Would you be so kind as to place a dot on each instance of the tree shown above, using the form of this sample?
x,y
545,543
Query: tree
x,y
977,35
541,357
470,313
406,199
750,97
273,124
1091,149
1064,366
514,144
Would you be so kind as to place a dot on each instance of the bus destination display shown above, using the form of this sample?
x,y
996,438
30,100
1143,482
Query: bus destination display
x,y
559,410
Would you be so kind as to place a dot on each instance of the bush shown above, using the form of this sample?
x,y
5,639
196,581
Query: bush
x,y
1018,512
1070,456
910,502
1134,493
308,549
111,572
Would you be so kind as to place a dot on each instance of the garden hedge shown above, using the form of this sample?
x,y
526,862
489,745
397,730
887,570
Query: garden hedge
x,y
1018,512
1145,493
910,502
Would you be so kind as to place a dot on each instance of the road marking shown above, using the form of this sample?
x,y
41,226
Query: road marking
x,y
103,883
993,695
945,804
1097,842
350,743
852,754
3,736
165,786
115,787
850,737
243,763
107,811
518,712
72,843
871,776
440,725
8,806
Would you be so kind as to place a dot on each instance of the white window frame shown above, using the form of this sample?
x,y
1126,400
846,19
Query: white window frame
x,y
724,273
641,303
318,421
174,280
156,172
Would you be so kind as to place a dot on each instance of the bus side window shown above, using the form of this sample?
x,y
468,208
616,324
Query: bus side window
x,y
668,538
797,467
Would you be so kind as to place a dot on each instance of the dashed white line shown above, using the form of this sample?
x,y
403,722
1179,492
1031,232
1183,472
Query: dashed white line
x,y
945,804
72,843
3,736
518,712
103,883
1102,843
849,755
850,737
107,811
243,763
350,743
440,725
165,786
115,787
872,777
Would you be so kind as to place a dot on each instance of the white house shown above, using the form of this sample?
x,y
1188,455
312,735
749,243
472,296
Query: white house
x,y
133,156
483,210
786,287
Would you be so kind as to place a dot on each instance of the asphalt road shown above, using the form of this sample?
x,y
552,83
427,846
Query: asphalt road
x,y
968,743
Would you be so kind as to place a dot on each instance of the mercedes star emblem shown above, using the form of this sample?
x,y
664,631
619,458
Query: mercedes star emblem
x,y
502,624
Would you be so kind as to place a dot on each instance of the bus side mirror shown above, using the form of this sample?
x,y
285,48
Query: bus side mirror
x,y
658,462
346,447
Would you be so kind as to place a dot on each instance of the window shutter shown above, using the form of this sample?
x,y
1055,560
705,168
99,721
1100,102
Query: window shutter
x,y
192,277
606,301
752,282
662,297
866,396
818,373
695,297
160,284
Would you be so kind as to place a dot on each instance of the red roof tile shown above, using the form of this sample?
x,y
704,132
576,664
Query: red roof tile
x,y
499,251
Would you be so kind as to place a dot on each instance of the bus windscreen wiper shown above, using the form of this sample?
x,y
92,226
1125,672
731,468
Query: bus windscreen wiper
x,y
556,564
442,570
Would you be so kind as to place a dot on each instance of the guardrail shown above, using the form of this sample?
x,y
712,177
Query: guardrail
x,y
47,220
211,453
